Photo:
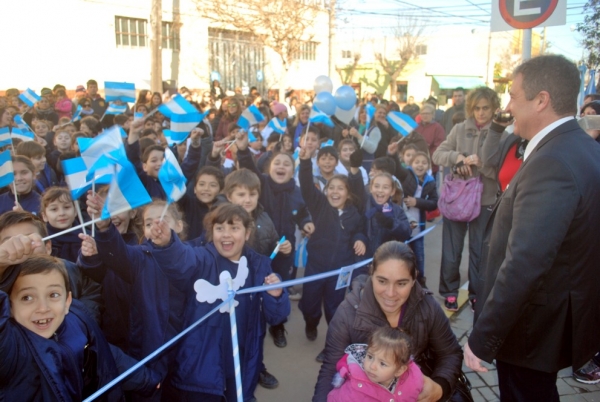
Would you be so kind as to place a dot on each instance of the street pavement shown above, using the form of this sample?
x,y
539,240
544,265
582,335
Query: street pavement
x,y
297,371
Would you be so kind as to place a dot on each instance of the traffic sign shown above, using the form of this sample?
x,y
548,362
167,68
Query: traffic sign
x,y
525,14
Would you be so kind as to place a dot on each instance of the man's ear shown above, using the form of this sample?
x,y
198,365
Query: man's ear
x,y
543,101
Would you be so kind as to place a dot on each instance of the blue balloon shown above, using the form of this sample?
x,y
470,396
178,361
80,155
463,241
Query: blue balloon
x,y
325,102
345,97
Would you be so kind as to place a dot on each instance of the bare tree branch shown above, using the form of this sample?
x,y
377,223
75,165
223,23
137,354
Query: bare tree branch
x,y
346,73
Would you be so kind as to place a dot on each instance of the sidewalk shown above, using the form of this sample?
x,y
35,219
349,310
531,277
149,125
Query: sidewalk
x,y
485,385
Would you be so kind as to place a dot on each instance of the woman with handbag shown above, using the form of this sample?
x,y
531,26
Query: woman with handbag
x,y
391,296
467,195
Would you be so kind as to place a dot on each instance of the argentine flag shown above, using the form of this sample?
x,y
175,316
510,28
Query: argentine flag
x,y
250,117
75,176
77,114
7,175
370,110
123,91
109,141
30,97
329,143
316,116
22,135
402,123
278,126
184,123
5,136
115,109
126,191
171,177
177,105
23,126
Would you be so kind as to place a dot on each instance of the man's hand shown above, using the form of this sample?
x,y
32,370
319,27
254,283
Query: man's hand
x,y
473,362
432,391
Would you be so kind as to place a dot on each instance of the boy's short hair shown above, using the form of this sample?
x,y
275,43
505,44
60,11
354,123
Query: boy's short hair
x,y
78,134
12,218
211,171
410,146
121,119
30,149
145,143
241,178
346,141
92,123
147,132
149,150
92,82
55,193
385,164
328,150
232,127
39,264
24,160
273,138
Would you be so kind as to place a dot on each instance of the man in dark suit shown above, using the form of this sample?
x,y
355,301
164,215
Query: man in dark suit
x,y
542,306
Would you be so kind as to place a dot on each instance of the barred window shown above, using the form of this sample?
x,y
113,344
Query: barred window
x,y
170,36
346,54
308,51
131,32
421,50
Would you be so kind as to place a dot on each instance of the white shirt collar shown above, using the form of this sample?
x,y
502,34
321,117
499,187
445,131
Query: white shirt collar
x,y
540,136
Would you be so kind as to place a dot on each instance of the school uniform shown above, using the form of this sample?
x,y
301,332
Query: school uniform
x,y
30,202
67,245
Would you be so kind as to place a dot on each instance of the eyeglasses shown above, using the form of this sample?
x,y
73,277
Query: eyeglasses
x,y
232,105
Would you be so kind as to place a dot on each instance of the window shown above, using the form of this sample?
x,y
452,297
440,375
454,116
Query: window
x,y
170,36
346,54
131,32
421,50
308,51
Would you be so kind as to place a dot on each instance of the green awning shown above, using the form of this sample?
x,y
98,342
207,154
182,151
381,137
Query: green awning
x,y
455,81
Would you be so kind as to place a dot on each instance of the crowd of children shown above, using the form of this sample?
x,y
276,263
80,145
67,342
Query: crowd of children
x,y
99,303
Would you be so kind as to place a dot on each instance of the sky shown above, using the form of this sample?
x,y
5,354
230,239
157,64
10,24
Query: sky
x,y
380,16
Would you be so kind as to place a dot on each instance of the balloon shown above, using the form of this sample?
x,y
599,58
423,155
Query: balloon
x,y
345,116
345,97
323,84
325,102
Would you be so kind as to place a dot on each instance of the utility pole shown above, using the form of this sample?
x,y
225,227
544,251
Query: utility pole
x,y
544,43
526,55
331,36
156,47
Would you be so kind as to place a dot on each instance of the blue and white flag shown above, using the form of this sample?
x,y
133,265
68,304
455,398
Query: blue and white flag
x,y
591,86
250,117
185,123
123,91
102,170
171,177
22,135
277,125
113,108
177,105
402,123
329,143
5,136
30,97
23,126
7,174
126,192
316,116
77,114
75,176
109,141
370,110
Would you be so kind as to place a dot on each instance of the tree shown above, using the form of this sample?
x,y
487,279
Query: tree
x,y
286,26
590,29
346,73
408,35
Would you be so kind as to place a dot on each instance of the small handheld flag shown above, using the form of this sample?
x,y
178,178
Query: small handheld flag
x,y
77,114
250,117
109,141
75,176
370,110
171,177
5,136
402,123
29,97
7,175
123,91
177,105
316,116
113,108
277,125
126,191
23,126
22,135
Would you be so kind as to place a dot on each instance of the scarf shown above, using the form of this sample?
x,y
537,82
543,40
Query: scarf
x,y
386,209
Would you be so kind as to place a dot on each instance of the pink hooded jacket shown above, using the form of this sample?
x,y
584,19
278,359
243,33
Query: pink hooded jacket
x,y
356,385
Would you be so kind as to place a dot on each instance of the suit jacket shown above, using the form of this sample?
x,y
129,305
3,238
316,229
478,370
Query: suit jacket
x,y
542,304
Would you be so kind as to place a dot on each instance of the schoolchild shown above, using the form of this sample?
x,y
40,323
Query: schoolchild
x,y
338,237
29,199
58,211
327,160
204,369
382,370
51,349
45,175
345,148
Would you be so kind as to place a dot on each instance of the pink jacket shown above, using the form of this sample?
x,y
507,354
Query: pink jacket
x,y
357,386
63,108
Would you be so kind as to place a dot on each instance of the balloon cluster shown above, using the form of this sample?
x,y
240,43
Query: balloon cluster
x,y
341,104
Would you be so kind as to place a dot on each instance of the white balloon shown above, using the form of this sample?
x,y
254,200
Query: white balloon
x,y
323,84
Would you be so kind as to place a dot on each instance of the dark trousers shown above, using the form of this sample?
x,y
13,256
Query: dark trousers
x,y
520,384
453,241
418,247
320,293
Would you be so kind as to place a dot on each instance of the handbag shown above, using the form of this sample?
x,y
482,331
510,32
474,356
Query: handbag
x,y
462,388
460,199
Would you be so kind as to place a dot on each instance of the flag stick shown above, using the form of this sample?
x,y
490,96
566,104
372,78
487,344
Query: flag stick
x,y
94,215
79,214
229,146
15,191
162,215
363,140
88,223
306,133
